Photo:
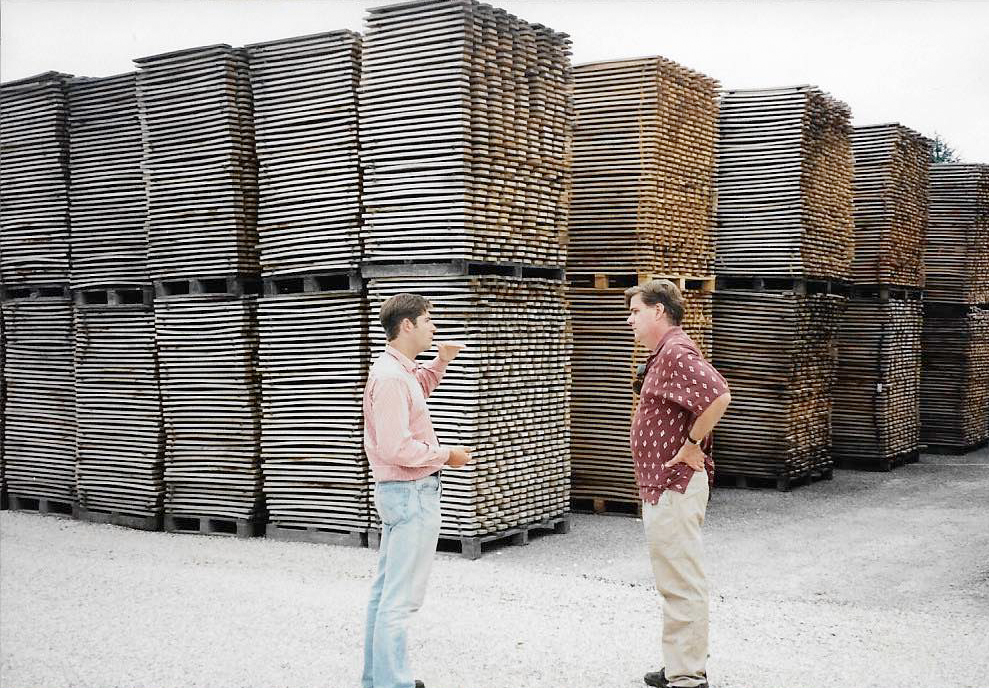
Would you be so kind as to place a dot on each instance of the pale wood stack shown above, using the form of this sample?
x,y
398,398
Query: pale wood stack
x,y
778,352
34,178
643,172
955,380
957,253
465,119
891,177
507,395
305,119
39,437
108,205
875,421
785,171
199,162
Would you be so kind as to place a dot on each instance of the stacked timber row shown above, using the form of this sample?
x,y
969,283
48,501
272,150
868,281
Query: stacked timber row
x,y
643,206
955,377
119,443
313,316
785,171
784,242
777,349
199,161
465,120
465,117
38,438
876,417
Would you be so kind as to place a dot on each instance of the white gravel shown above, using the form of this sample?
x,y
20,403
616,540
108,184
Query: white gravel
x,y
870,580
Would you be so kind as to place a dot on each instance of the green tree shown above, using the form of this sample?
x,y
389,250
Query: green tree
x,y
941,151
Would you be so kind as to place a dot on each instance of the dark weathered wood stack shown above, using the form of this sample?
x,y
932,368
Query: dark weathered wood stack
x,y
34,177
954,411
643,168
778,352
507,395
305,119
197,125
875,421
465,119
891,170
785,171
199,162
957,251
108,205
39,437
954,402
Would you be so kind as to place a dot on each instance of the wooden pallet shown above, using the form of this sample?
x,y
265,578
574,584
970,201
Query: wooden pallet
x,y
41,505
800,286
606,506
335,281
35,292
322,536
955,450
457,267
473,547
882,465
600,280
781,483
229,285
213,525
152,522
114,297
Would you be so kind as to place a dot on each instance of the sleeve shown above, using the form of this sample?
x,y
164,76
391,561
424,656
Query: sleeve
x,y
389,425
429,375
689,381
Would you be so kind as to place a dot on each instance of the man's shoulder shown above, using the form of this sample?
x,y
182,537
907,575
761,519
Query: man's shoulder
x,y
679,345
386,368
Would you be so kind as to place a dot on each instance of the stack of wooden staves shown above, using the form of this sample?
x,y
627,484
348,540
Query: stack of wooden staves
x,y
784,240
465,120
507,395
465,117
312,320
876,417
196,118
34,177
643,205
785,171
119,442
777,350
955,376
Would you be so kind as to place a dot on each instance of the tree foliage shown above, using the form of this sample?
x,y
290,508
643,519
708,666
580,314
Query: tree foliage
x,y
941,151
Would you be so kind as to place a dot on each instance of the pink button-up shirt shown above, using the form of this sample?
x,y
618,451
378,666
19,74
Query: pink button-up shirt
x,y
399,439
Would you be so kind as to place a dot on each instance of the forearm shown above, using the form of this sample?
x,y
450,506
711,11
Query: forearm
x,y
705,422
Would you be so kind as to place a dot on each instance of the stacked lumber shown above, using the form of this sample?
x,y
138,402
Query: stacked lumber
x,y
957,252
207,354
507,395
119,437
778,352
644,148
954,387
34,177
876,415
313,360
199,162
305,118
107,203
39,449
891,166
785,172
465,119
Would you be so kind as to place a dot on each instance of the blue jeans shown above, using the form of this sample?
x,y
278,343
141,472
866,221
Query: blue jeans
x,y
410,527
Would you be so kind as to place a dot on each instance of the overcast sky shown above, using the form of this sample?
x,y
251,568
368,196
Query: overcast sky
x,y
923,63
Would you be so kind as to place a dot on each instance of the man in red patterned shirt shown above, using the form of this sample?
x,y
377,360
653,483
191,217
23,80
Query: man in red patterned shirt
x,y
682,398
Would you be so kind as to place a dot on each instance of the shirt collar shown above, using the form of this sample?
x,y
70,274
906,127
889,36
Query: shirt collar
x,y
406,362
670,333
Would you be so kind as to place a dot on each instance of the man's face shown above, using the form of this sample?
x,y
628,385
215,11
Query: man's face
x,y
422,331
643,319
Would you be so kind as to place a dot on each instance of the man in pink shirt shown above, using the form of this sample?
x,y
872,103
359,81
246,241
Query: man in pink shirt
x,y
405,459
681,398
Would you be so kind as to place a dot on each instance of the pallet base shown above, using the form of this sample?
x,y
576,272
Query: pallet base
x,y
321,536
782,483
882,465
4,502
40,505
213,525
606,506
152,523
472,547
952,450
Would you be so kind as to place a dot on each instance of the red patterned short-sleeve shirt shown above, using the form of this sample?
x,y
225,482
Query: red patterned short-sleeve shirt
x,y
679,385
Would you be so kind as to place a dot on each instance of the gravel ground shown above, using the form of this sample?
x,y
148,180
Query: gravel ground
x,y
868,580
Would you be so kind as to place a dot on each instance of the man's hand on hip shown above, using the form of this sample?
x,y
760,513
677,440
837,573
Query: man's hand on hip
x,y
459,456
690,454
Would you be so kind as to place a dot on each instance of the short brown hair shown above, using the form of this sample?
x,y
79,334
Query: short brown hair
x,y
398,308
659,291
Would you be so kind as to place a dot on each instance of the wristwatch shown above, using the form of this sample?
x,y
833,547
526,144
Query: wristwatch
x,y
693,441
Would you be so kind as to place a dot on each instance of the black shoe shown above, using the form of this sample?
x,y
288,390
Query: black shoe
x,y
657,679
420,684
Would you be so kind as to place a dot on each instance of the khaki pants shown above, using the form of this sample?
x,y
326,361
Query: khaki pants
x,y
673,532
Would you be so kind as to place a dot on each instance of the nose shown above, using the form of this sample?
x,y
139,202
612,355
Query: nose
x,y
628,320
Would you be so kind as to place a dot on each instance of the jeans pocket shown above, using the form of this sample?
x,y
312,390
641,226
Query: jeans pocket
x,y
392,501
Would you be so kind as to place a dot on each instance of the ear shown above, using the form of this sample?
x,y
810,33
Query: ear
x,y
407,325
